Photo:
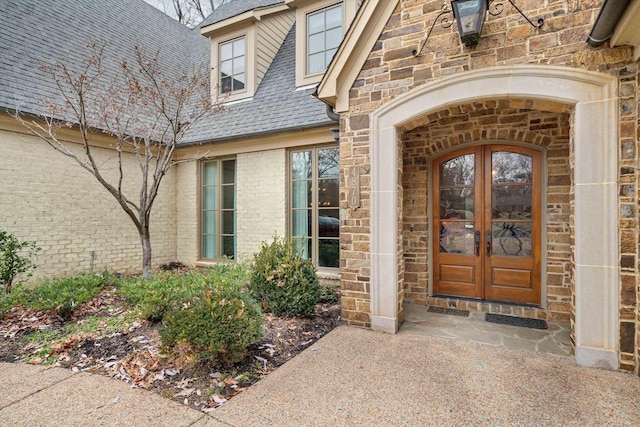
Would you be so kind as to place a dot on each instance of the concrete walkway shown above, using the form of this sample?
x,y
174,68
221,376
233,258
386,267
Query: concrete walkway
x,y
351,377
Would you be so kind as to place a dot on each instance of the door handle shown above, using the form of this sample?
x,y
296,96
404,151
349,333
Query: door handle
x,y
478,236
488,242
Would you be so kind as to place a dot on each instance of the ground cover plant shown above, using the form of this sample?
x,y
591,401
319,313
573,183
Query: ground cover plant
x,y
193,336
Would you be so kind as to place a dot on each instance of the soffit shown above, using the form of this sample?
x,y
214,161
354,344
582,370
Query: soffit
x,y
627,30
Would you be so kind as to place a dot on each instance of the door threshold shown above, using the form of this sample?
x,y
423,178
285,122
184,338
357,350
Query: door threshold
x,y
483,306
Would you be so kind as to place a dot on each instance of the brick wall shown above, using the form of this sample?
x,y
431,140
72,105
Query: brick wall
x,y
391,70
261,199
187,194
48,198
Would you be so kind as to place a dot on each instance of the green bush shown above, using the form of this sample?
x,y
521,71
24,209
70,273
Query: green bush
x,y
166,291
218,326
15,260
60,294
284,282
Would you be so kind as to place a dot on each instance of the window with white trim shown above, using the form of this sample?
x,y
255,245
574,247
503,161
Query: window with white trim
x,y
324,34
218,220
232,65
314,201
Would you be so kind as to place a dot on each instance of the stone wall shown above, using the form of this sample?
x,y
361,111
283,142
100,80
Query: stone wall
x,y
48,198
507,39
490,121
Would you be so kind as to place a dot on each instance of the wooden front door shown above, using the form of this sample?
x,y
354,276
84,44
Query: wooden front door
x,y
487,224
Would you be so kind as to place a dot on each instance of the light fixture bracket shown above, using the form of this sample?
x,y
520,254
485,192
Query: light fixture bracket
x,y
447,15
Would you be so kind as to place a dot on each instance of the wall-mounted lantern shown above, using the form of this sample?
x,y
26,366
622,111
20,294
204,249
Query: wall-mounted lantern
x,y
470,15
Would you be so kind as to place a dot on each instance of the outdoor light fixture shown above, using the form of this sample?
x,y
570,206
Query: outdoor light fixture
x,y
470,14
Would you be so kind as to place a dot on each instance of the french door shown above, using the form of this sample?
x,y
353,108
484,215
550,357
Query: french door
x,y
487,231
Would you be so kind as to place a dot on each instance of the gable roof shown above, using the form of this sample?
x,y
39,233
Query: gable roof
x,y
36,32
33,33
277,105
234,8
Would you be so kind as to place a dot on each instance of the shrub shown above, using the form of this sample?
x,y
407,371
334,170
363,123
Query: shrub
x,y
60,294
15,260
167,291
164,292
218,326
284,282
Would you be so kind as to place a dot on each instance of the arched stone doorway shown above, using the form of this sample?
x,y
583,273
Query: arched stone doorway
x,y
589,98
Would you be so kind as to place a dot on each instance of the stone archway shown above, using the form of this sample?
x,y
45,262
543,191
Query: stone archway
x,y
593,99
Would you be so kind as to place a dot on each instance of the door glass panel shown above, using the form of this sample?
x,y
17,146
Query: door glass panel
x,y
458,171
456,203
511,202
511,239
509,167
456,237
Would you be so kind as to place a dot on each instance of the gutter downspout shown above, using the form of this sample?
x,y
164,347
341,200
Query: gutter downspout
x,y
609,15
331,113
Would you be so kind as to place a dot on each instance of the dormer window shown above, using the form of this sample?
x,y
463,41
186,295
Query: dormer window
x,y
324,34
232,67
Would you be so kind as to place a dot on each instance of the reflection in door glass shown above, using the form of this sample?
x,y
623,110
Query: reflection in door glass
x,y
509,167
458,171
456,203
511,201
511,239
456,237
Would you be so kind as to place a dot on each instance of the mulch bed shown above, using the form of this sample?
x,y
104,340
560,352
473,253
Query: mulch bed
x,y
131,352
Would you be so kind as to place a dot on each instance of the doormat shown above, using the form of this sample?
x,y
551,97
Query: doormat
x,y
515,321
451,311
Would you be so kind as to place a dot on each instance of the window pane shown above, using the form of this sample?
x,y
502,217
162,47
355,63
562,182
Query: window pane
x,y
304,246
210,173
210,197
333,38
228,197
328,162
238,47
316,63
334,17
228,171
226,68
456,237
511,239
328,193
316,23
456,203
329,56
316,43
301,223
329,223
209,245
228,222
229,246
301,165
509,167
225,85
210,222
238,65
329,253
458,171
511,202
238,82
225,51
301,196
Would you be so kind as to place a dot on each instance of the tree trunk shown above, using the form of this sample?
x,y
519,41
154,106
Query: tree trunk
x,y
146,253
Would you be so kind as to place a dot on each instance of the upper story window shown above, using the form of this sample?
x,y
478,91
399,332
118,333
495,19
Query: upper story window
x,y
324,34
232,60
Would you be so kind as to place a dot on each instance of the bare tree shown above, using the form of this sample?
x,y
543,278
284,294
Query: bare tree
x,y
146,112
189,12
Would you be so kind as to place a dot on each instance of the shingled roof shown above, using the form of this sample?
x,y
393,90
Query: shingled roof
x,y
33,33
234,8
